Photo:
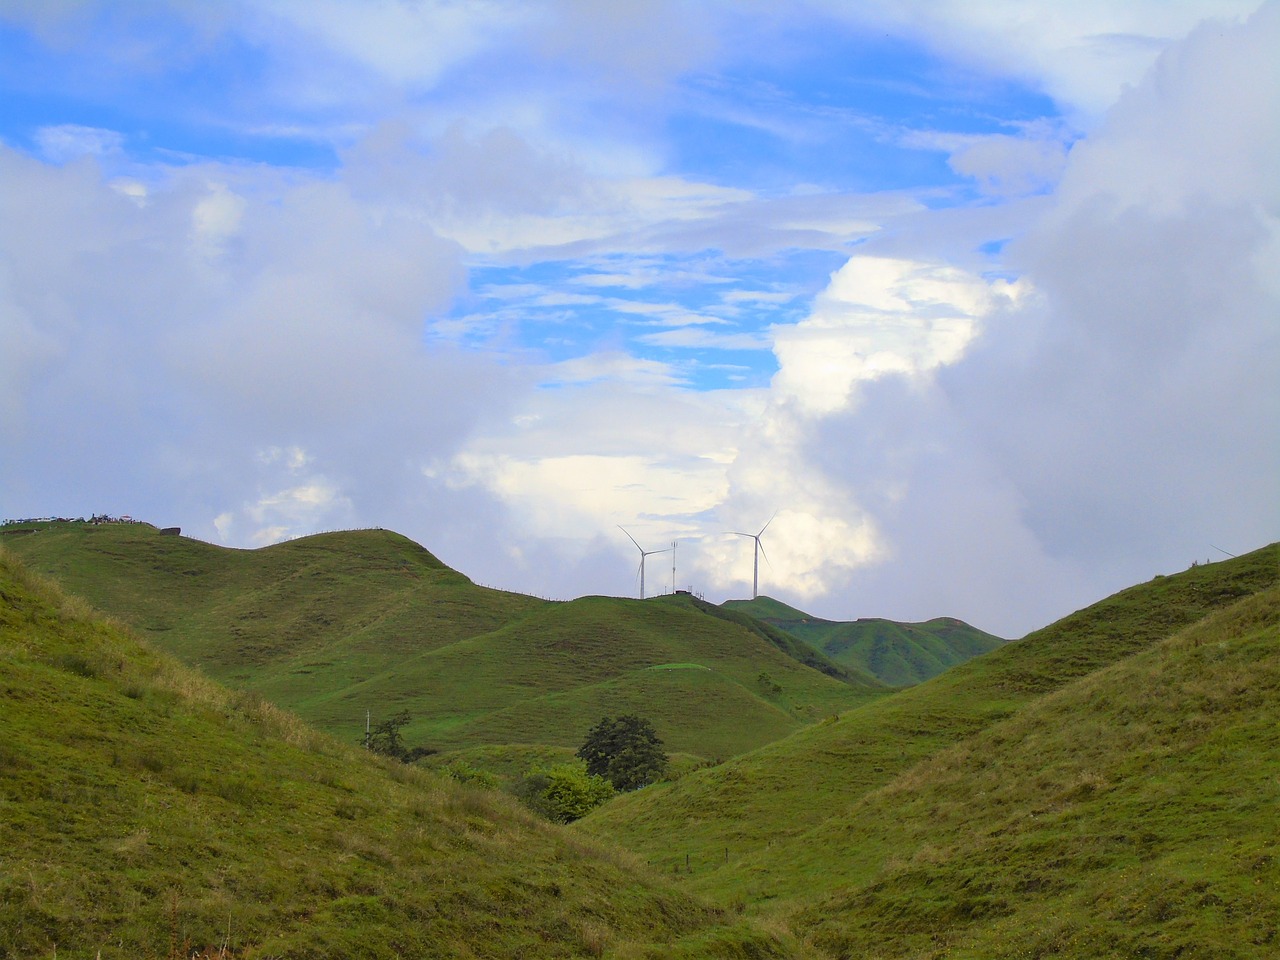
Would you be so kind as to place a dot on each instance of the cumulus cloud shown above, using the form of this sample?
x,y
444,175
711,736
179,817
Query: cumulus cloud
x,y
1113,419
233,313
880,316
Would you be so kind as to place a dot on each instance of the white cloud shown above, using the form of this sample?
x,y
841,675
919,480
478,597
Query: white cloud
x,y
1004,164
700,338
215,219
70,141
880,317
1084,54
403,43
304,333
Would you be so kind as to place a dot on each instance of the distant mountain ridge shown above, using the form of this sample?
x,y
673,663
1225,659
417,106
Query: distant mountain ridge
x,y
898,654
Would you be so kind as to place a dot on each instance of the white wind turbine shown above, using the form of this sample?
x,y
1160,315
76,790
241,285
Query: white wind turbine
x,y
755,570
643,554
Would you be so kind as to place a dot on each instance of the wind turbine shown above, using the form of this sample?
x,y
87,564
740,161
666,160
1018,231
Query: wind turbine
x,y
643,553
755,570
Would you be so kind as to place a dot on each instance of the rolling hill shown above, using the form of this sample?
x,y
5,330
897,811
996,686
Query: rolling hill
x,y
898,654
340,626
148,812
1103,787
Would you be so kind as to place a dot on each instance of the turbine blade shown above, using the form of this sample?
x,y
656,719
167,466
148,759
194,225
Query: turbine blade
x,y
632,539
766,526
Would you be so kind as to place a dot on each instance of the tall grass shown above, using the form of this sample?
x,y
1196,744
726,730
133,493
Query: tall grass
x,y
148,812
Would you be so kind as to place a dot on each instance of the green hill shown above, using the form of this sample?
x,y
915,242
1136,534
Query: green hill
x,y
1130,814
337,625
891,831
146,811
898,654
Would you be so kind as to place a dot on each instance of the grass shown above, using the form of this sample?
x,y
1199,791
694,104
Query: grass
x,y
146,811
339,624
1105,786
1131,813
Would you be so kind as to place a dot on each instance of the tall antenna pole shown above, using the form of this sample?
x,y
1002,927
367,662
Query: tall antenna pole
x,y
673,566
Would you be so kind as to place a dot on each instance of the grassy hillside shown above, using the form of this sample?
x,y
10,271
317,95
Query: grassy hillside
x,y
748,825
339,624
1130,814
148,812
898,654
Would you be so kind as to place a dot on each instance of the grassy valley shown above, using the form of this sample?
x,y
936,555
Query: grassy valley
x,y
146,811
898,654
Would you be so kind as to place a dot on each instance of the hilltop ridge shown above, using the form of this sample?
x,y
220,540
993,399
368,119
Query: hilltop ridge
x,y
339,626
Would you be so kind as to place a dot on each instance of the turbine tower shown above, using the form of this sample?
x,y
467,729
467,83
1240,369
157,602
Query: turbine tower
x,y
643,554
755,570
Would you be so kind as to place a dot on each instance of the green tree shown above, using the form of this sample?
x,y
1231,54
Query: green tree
x,y
563,793
385,738
625,751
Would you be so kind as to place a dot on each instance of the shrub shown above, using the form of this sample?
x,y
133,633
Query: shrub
x,y
562,793
463,772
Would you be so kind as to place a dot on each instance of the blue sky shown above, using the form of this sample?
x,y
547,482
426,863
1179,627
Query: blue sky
x,y
922,279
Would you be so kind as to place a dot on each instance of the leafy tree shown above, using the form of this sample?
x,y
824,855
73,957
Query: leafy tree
x,y
562,793
625,751
385,739
385,736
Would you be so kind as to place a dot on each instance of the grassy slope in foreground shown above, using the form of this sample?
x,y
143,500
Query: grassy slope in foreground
x,y
147,812
899,654
333,625
743,823
1130,814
